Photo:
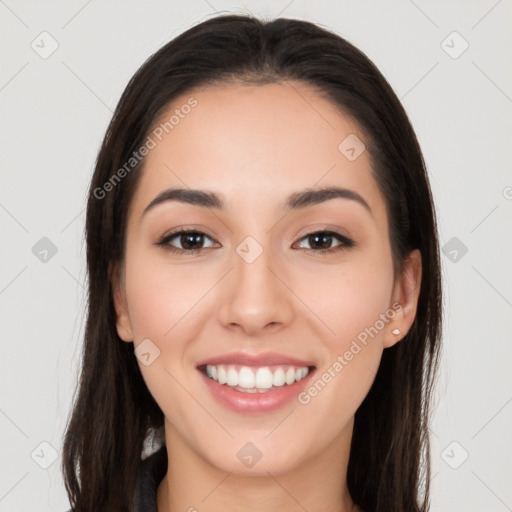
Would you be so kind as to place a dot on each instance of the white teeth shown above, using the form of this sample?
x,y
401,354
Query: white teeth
x,y
247,390
246,378
301,373
221,375
278,377
264,378
290,375
232,377
256,380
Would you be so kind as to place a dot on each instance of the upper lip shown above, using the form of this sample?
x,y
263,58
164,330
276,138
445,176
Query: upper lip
x,y
264,359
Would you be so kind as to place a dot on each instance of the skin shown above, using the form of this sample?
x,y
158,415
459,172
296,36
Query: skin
x,y
255,145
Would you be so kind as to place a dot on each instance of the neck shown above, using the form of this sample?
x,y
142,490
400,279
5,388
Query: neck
x,y
193,484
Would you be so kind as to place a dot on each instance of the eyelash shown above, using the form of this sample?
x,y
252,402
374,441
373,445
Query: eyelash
x,y
346,243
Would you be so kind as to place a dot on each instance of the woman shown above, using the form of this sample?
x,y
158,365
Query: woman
x,y
264,284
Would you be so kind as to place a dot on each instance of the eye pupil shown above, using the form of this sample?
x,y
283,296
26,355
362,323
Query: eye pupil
x,y
326,238
190,239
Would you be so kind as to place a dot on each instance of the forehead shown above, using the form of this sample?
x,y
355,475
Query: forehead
x,y
255,145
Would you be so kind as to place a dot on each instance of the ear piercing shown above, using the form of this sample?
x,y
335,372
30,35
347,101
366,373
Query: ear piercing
x,y
396,332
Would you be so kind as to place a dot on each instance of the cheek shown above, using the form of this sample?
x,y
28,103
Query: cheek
x,y
350,299
164,302
161,297
353,304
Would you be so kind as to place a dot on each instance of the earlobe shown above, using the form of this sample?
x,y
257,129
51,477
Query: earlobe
x,y
123,325
406,293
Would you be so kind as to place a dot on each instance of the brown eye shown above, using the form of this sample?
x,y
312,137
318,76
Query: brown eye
x,y
189,240
321,241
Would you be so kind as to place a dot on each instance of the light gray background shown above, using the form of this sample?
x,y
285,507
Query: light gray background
x,y
54,113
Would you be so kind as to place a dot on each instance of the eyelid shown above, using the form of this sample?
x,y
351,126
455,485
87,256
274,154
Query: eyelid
x,y
187,228
321,227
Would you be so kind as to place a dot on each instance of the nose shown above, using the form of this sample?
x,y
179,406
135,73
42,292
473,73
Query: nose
x,y
256,298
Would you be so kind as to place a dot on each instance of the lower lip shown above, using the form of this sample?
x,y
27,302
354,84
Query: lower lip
x,y
255,402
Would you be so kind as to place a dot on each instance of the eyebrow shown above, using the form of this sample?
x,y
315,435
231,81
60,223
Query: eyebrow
x,y
297,200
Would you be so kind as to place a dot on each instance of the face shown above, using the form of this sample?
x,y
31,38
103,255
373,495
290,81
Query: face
x,y
259,333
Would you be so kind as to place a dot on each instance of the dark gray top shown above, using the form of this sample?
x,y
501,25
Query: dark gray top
x,y
151,472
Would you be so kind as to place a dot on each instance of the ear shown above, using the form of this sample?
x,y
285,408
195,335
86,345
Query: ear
x,y
406,292
124,329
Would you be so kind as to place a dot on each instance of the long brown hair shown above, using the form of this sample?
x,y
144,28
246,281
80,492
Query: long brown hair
x,y
389,465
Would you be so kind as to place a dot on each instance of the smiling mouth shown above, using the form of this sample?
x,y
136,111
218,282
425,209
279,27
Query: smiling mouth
x,y
252,379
